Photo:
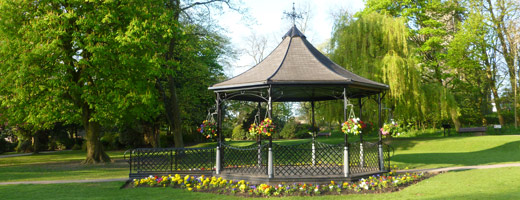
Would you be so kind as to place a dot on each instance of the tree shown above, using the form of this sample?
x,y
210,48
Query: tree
x,y
431,25
256,47
472,55
175,14
76,61
502,16
375,46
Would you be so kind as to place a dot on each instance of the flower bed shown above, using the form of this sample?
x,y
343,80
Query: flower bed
x,y
375,184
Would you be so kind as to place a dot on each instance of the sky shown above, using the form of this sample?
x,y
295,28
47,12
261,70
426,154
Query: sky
x,y
266,18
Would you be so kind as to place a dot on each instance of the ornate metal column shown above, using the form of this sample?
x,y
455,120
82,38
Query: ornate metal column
x,y
219,133
361,150
258,140
380,143
313,136
346,171
270,161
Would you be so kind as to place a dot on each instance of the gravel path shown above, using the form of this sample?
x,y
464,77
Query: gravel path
x,y
445,169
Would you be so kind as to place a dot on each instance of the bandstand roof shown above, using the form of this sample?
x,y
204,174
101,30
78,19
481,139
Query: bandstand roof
x,y
297,71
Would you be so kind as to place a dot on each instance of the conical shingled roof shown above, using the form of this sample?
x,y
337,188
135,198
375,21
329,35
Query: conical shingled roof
x,y
296,62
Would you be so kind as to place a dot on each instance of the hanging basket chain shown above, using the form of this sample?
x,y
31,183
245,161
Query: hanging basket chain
x,y
353,125
350,107
210,115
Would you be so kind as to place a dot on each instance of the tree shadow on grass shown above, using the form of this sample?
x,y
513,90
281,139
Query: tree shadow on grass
x,y
509,152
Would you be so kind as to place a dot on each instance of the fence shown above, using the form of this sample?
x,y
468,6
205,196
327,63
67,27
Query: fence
x,y
303,159
153,161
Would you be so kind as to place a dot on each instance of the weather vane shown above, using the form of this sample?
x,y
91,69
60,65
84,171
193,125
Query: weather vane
x,y
293,15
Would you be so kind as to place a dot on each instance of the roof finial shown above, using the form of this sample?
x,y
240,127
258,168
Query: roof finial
x,y
293,15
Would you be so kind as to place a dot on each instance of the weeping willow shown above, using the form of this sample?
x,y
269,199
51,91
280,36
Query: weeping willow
x,y
376,47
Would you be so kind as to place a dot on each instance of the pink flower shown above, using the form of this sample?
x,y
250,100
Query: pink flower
x,y
384,132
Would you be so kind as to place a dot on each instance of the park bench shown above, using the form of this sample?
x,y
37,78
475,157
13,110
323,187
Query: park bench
x,y
324,134
476,130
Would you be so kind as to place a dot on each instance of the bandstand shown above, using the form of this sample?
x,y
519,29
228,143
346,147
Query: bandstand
x,y
295,71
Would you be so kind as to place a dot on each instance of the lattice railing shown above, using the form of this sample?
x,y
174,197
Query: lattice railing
x,y
289,160
300,159
250,159
363,160
388,152
169,160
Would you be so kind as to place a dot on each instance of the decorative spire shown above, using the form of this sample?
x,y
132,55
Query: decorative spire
x,y
293,15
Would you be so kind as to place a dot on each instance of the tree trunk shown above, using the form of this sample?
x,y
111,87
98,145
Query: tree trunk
x,y
151,135
481,105
497,105
176,111
490,69
500,29
95,152
455,118
36,143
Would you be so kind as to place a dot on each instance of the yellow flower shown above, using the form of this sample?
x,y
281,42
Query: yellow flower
x,y
190,189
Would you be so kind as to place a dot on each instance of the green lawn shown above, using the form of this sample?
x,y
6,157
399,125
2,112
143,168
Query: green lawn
x,y
421,152
63,165
409,152
455,151
471,184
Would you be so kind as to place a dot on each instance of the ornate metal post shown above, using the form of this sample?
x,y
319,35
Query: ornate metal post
x,y
270,161
361,150
313,136
380,143
219,133
346,162
258,141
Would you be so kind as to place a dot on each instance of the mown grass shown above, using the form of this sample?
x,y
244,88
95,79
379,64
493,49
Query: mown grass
x,y
409,152
455,151
64,165
472,184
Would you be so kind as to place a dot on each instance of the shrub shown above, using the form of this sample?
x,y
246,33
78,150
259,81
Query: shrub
x,y
56,145
302,131
59,137
110,141
24,146
239,133
166,140
130,137
76,147
289,130
84,146
4,145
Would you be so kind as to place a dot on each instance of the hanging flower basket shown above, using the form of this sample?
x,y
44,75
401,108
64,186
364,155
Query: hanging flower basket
x,y
265,128
390,129
353,126
253,129
208,129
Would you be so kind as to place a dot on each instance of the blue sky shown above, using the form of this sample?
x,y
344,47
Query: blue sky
x,y
266,18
